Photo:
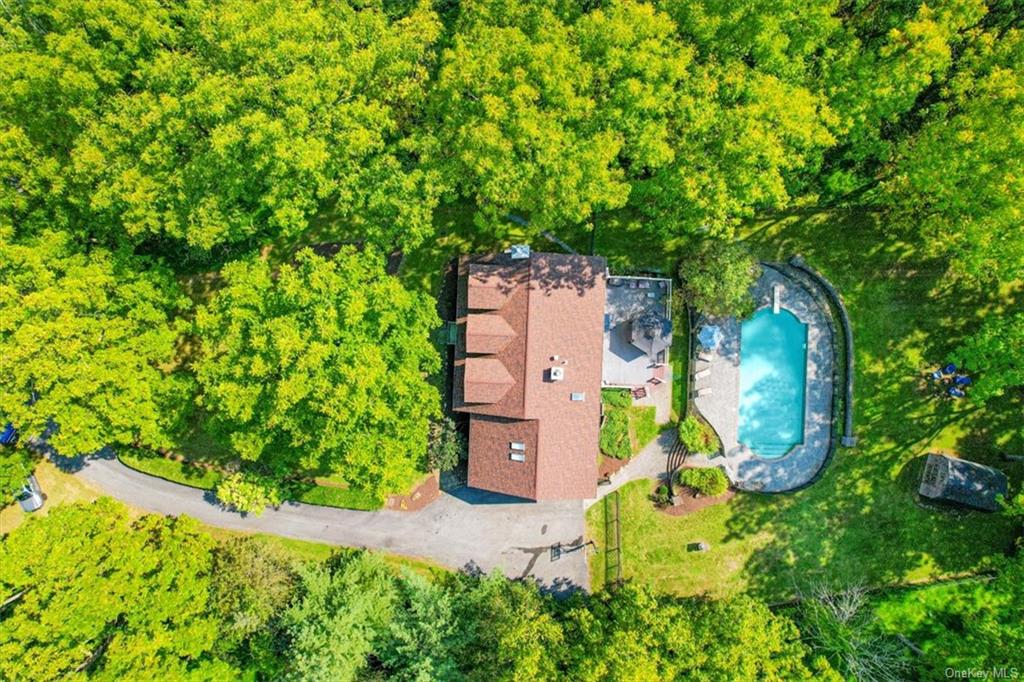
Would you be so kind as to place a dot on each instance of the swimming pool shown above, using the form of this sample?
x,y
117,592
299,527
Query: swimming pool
x,y
773,372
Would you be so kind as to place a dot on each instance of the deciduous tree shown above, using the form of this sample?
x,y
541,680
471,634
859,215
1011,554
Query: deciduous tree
x,y
996,353
88,341
956,183
419,645
107,596
252,583
507,631
214,122
321,366
341,614
717,276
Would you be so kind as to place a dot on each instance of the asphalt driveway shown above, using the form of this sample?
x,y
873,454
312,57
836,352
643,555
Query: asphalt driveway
x,y
475,530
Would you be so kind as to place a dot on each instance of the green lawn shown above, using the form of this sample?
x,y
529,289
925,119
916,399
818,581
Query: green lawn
x,y
302,550
183,472
679,358
627,428
346,498
860,523
187,473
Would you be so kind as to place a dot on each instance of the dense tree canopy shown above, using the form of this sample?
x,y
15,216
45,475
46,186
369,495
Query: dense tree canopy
x,y
967,205
558,116
321,366
87,340
339,617
212,122
104,594
995,352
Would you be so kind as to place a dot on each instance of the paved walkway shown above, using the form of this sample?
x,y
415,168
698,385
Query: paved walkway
x,y
651,462
475,529
721,406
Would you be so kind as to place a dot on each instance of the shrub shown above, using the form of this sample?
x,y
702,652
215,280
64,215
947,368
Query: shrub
x,y
697,436
248,493
615,434
662,497
447,446
710,481
616,397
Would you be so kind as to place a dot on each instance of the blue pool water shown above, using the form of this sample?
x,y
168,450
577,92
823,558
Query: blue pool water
x,y
773,368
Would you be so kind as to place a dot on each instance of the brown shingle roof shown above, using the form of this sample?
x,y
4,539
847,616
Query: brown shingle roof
x,y
489,286
486,380
554,305
487,333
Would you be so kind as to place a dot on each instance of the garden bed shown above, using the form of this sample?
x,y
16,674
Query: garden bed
x,y
626,428
690,503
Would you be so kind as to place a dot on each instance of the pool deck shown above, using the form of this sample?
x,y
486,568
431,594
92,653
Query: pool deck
x,y
721,406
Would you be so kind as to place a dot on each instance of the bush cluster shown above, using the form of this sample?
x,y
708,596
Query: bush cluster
x,y
710,481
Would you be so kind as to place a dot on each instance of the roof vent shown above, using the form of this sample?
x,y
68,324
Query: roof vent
x,y
519,251
557,373
577,397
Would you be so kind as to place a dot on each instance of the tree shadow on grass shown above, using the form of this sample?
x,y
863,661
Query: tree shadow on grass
x,y
860,522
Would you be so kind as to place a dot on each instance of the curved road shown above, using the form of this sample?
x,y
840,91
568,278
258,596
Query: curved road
x,y
470,529
473,529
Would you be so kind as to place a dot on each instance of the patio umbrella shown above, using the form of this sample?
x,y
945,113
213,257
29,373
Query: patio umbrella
x,y
709,336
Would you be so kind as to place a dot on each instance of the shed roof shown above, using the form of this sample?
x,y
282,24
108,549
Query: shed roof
x,y
962,482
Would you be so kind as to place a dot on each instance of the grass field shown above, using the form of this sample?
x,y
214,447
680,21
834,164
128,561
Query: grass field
x,y
860,523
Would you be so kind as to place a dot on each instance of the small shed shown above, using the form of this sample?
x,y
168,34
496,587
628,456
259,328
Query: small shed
x,y
961,482
651,332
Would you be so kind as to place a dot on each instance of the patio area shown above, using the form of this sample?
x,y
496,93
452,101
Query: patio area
x,y
636,338
717,386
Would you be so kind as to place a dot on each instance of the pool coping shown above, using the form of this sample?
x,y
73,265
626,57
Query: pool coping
x,y
802,464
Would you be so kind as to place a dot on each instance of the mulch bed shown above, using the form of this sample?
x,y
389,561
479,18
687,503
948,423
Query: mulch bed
x,y
425,493
609,465
690,504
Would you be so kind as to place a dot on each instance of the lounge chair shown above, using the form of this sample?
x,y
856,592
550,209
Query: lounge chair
x,y
702,374
702,392
704,356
